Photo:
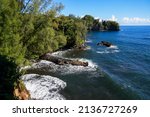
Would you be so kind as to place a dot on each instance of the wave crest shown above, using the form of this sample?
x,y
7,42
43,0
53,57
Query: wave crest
x,y
111,49
50,67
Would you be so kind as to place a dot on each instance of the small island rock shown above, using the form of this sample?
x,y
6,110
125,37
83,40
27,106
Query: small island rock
x,y
105,43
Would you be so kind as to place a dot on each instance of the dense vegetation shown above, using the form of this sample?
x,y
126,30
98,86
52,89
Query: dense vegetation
x,y
96,25
30,28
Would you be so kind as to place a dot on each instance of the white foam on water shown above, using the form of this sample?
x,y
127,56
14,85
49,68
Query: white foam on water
x,y
116,51
67,68
107,51
102,52
113,47
60,53
48,66
88,41
90,62
88,48
43,87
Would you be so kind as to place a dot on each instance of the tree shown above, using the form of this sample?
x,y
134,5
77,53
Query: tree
x,y
71,16
10,37
112,26
81,31
38,27
97,25
89,21
74,29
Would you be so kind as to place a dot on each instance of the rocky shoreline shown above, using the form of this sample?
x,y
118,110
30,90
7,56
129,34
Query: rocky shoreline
x,y
43,86
62,61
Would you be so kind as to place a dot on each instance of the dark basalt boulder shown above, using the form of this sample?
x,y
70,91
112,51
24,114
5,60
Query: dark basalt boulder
x,y
62,61
104,43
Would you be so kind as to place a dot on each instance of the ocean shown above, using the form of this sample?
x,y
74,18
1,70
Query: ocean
x,y
119,72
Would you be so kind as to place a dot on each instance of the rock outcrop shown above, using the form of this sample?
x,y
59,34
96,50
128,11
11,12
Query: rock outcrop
x,y
105,43
62,61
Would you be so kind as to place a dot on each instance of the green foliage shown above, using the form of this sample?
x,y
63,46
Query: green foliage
x,y
111,25
61,40
73,28
29,29
81,31
10,44
89,21
95,25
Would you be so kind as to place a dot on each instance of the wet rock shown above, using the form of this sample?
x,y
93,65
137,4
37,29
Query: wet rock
x,y
81,47
62,61
105,43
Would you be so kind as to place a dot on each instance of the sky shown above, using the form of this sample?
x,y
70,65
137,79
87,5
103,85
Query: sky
x,y
126,12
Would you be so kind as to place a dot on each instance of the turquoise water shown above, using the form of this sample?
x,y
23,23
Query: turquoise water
x,y
123,70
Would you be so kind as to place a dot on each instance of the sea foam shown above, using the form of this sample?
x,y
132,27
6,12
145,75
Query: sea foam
x,y
69,69
88,41
45,87
111,49
107,51
50,67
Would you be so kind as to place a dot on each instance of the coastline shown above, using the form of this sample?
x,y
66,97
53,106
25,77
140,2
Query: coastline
x,y
44,71
46,80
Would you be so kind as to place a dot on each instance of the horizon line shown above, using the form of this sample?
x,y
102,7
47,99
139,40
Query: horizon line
x,y
134,25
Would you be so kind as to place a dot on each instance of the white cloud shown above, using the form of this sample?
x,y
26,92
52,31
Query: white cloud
x,y
113,18
135,20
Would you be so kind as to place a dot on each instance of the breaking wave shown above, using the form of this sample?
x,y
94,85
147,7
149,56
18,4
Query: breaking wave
x,y
107,51
67,68
60,53
41,84
88,41
111,49
50,67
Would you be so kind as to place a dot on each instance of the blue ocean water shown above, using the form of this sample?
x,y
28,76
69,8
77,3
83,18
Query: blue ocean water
x,y
126,63
121,71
